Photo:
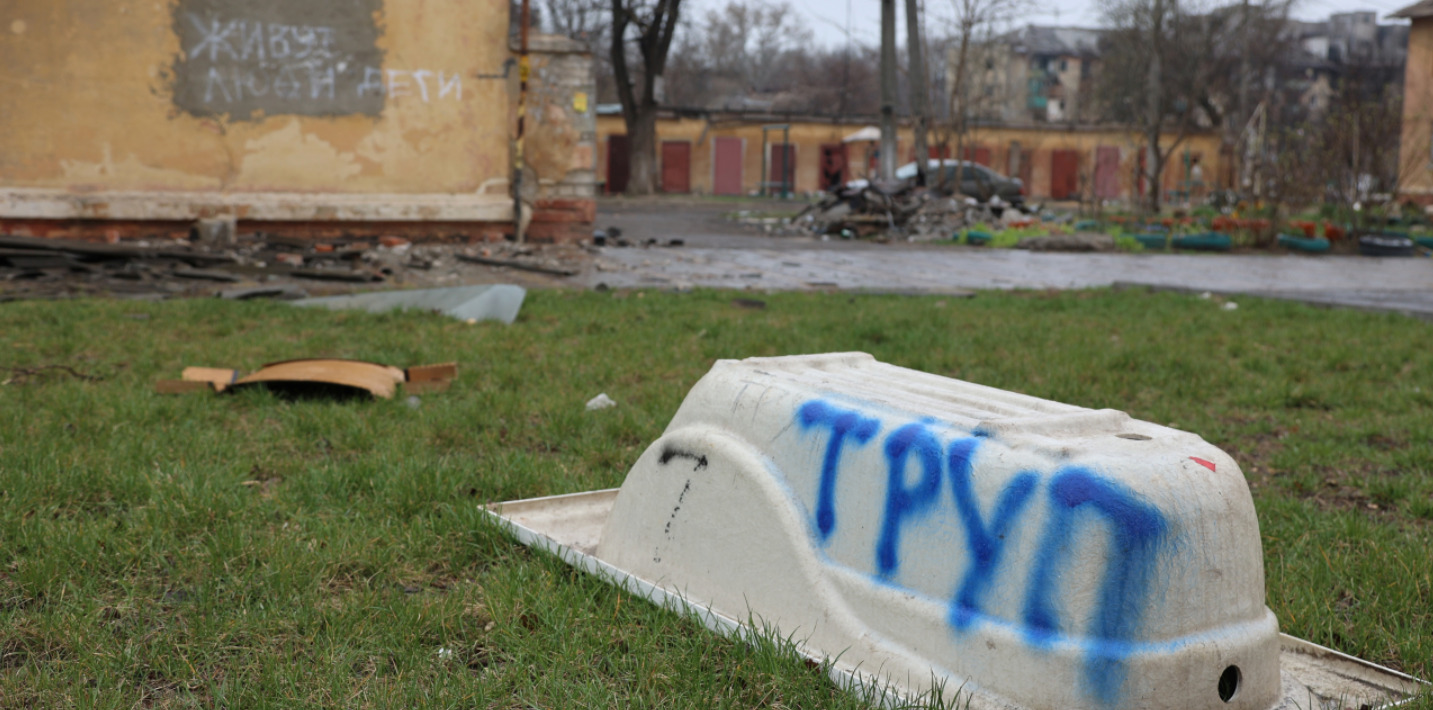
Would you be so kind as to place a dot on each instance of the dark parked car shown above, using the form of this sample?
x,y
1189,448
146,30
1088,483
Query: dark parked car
x,y
977,181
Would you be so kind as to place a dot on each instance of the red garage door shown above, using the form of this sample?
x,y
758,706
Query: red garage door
x,y
618,170
676,166
1107,172
1064,174
727,166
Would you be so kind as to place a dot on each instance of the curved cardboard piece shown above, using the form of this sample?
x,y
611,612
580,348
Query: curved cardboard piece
x,y
357,375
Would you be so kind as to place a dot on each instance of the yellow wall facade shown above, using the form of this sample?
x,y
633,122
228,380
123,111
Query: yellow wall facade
x,y
1415,159
110,105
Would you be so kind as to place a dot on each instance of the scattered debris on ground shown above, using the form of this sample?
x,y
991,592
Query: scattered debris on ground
x,y
612,237
282,292
601,401
316,377
898,210
23,375
260,265
536,259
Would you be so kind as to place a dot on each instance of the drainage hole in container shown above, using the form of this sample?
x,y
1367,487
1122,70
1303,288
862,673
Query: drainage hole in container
x,y
1229,683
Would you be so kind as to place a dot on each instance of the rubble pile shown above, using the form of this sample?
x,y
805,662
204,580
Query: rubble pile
x,y
32,267
896,210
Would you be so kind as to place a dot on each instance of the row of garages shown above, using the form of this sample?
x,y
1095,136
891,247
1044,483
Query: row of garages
x,y
736,156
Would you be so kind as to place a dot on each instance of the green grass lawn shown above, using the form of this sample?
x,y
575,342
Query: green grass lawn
x,y
247,551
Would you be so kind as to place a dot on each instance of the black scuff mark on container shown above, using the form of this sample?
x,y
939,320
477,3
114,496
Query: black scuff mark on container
x,y
680,499
670,453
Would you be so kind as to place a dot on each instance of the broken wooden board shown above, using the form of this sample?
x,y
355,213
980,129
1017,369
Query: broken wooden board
x,y
218,378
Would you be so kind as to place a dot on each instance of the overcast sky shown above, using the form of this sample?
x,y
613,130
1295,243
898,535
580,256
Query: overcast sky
x,y
830,19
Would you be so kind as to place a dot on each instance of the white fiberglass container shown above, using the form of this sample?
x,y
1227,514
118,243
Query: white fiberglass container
x,y
922,530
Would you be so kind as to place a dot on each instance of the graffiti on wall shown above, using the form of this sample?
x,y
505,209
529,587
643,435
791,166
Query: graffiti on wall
x,y
271,57
923,472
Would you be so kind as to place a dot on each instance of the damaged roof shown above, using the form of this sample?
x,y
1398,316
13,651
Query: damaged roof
x,y
1060,41
1415,11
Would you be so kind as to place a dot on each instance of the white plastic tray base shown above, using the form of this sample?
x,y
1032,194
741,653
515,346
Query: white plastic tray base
x,y
570,527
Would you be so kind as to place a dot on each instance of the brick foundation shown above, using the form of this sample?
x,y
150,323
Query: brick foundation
x,y
562,221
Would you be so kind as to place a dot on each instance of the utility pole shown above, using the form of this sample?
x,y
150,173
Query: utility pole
x,y
1241,150
1153,107
523,69
918,88
888,89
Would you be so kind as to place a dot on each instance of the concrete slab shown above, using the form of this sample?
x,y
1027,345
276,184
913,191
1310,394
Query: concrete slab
x,y
494,302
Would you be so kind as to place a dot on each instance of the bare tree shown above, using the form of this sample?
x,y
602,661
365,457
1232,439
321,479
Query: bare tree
x,y
585,20
1262,51
738,53
976,22
842,81
1156,78
919,88
1169,69
1142,29
1348,155
749,54
748,40
652,24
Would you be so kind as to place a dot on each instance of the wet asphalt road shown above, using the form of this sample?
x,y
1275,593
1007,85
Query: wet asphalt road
x,y
718,253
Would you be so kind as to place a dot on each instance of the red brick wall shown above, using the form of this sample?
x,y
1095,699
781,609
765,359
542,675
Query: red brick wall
x,y
562,221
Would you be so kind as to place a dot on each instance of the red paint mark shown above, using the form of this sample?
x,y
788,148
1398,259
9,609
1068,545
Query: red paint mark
x,y
1207,464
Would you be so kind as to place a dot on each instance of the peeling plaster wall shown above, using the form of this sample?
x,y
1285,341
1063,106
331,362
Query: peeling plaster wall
x,y
225,105
560,148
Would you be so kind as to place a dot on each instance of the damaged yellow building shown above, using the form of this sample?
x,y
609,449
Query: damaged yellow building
x,y
1415,147
328,116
